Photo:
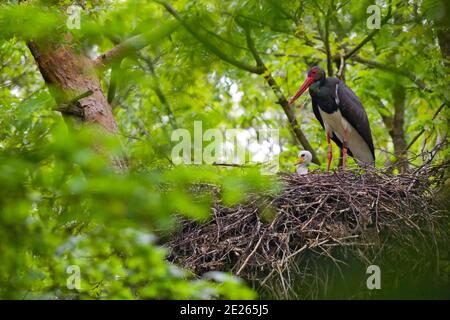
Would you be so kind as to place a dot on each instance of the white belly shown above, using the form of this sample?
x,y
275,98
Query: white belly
x,y
302,170
334,122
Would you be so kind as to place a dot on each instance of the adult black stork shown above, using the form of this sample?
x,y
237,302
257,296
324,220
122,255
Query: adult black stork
x,y
341,114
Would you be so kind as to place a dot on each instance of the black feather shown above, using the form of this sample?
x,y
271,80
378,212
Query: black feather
x,y
353,111
338,142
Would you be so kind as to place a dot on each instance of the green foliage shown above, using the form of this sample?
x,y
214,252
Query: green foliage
x,y
64,205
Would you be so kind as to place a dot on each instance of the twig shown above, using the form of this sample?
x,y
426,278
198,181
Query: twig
x,y
73,106
282,101
208,45
340,73
417,136
370,35
134,44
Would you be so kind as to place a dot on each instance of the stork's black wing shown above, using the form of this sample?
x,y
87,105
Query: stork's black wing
x,y
338,142
353,111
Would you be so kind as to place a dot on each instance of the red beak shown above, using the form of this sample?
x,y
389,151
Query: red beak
x,y
302,89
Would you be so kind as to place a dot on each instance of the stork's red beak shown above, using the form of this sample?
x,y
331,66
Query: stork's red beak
x,y
302,89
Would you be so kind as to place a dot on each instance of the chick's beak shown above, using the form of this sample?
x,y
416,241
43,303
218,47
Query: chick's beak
x,y
300,161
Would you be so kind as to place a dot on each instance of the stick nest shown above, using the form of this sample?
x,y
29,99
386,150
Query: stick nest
x,y
272,237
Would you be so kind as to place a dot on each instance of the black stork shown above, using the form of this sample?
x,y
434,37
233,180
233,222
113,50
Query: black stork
x,y
341,114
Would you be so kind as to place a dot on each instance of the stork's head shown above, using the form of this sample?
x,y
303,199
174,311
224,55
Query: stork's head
x,y
304,158
314,74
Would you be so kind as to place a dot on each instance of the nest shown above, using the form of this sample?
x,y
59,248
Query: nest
x,y
281,242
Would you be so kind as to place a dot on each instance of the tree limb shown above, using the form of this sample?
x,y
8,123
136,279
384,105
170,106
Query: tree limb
x,y
327,40
73,107
282,101
340,73
260,68
370,35
134,44
159,93
209,46
381,66
417,136
113,83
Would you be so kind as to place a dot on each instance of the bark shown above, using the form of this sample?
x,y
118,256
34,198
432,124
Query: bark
x,y
69,73
395,125
282,101
442,29
398,132
444,43
327,39
421,132
390,68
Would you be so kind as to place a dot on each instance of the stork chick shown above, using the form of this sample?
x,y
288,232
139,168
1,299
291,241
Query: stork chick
x,y
304,159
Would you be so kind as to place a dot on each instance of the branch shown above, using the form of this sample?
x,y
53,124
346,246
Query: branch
x,y
260,23
378,65
260,68
423,130
278,7
73,106
253,50
229,165
327,40
209,46
81,96
340,73
388,120
243,48
282,101
370,35
381,66
113,83
159,93
134,44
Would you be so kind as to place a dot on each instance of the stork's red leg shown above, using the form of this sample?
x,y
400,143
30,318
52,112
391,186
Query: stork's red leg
x,y
330,153
344,149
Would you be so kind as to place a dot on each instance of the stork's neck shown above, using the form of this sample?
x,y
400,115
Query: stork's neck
x,y
320,83
323,94
314,89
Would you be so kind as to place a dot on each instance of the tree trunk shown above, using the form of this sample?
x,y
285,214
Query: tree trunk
x,y
394,123
444,42
69,74
398,132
